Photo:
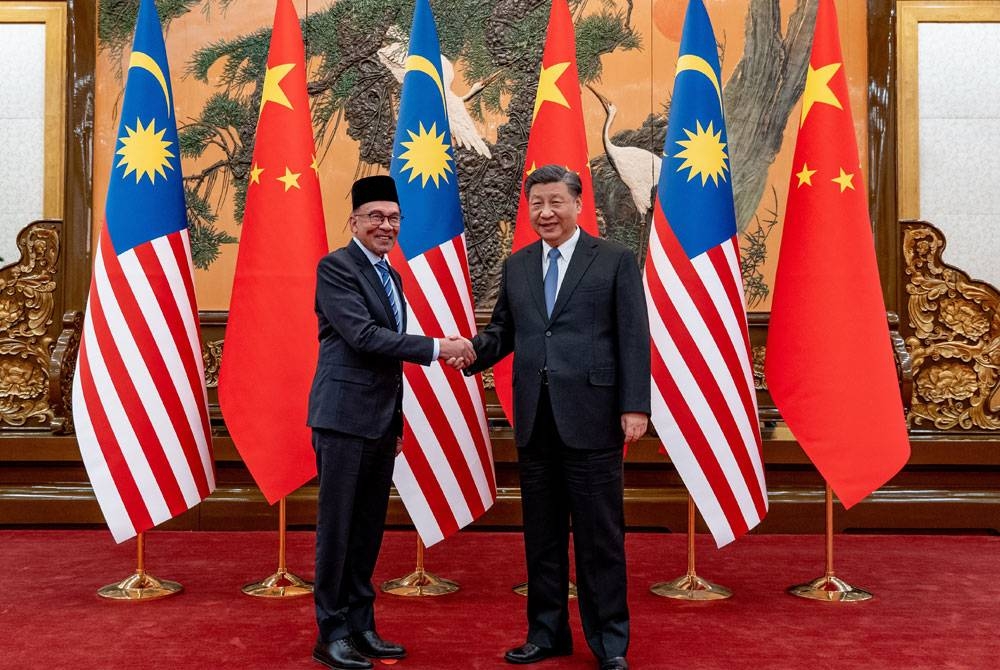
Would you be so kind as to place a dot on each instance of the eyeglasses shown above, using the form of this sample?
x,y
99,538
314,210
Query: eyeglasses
x,y
378,218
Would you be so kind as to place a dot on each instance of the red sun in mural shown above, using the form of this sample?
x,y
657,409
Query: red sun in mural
x,y
668,17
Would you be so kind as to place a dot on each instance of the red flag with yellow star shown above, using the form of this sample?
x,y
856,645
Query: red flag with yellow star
x,y
557,136
270,347
829,365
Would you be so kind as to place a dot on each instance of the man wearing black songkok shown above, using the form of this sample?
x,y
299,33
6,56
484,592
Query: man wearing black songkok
x,y
355,411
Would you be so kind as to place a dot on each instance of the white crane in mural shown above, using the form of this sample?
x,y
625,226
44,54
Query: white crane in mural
x,y
638,169
463,129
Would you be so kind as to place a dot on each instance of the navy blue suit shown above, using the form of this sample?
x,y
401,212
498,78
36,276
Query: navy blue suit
x,y
355,411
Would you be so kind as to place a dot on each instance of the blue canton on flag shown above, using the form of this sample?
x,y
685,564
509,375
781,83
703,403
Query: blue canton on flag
x,y
146,167
139,398
704,406
423,163
444,474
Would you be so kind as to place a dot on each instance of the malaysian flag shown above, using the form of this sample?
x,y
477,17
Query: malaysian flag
x,y
139,401
444,474
704,406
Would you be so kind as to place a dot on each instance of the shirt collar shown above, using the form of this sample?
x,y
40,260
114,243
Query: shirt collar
x,y
372,257
566,248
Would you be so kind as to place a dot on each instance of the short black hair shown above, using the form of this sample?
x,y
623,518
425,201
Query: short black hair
x,y
550,174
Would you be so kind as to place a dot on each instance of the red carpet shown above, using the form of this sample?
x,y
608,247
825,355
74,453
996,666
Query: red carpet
x,y
937,604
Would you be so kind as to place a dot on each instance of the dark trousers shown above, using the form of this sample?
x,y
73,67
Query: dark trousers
x,y
559,483
354,479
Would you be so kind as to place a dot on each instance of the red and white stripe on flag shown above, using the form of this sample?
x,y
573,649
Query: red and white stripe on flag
x,y
704,407
445,473
139,400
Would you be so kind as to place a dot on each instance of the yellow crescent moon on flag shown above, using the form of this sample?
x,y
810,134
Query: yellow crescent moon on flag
x,y
699,64
421,64
146,62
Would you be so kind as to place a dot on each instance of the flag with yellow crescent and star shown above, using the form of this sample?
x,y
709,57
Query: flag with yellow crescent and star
x,y
139,401
444,473
557,136
829,365
703,401
262,390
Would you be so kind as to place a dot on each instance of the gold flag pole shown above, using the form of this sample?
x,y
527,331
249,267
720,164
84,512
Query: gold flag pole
x,y
140,586
829,587
282,584
420,582
691,586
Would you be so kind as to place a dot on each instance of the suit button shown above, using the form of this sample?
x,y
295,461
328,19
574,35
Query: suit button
x,y
548,333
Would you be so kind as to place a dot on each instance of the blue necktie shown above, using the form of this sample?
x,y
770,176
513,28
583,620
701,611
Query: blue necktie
x,y
383,273
551,282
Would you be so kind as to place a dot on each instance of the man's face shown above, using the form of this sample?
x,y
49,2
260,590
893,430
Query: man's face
x,y
553,212
376,225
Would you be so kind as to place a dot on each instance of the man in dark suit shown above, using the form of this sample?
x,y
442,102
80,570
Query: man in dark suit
x,y
572,309
355,411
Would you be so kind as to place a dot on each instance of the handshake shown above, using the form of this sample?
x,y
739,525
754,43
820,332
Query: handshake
x,y
456,351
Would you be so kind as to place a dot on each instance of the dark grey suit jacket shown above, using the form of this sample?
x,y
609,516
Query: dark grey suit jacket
x,y
595,346
358,386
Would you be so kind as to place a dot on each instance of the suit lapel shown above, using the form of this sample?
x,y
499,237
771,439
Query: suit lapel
x,y
583,256
370,274
533,273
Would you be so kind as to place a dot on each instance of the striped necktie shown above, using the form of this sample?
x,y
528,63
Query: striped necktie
x,y
383,273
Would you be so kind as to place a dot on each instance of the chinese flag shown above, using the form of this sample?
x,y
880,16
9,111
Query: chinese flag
x,y
829,364
270,348
557,136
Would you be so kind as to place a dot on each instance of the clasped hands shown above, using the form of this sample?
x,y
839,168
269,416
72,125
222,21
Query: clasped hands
x,y
456,351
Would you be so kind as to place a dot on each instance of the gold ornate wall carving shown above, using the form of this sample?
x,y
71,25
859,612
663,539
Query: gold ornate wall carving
x,y
211,354
27,301
955,339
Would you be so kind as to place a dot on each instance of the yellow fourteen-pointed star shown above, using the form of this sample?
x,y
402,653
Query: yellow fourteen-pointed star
x,y
289,179
805,176
144,151
818,89
846,180
548,89
272,86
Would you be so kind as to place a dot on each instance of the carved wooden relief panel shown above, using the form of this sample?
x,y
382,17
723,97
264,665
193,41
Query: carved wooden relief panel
x,y
27,292
955,339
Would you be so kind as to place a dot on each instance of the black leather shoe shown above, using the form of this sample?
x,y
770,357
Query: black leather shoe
x,y
616,663
369,644
532,653
340,655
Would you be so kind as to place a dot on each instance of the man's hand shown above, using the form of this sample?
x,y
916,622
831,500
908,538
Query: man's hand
x,y
456,351
634,425
399,445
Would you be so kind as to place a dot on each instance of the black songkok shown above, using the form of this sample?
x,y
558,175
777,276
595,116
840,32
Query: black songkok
x,y
369,189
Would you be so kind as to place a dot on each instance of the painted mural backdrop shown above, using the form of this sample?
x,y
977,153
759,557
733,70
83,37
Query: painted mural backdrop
x,y
492,49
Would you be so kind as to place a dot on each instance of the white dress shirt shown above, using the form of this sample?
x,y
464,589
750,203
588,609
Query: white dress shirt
x,y
565,254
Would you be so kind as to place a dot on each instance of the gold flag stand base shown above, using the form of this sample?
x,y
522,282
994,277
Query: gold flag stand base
x,y
420,583
282,584
831,589
690,586
522,589
140,586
